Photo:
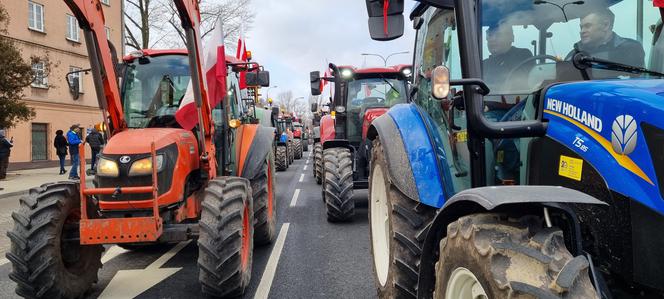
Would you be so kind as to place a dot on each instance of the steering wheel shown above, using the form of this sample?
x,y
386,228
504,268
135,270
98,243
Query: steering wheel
x,y
527,60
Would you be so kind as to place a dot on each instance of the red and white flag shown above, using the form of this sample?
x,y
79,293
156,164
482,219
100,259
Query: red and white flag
x,y
214,77
241,54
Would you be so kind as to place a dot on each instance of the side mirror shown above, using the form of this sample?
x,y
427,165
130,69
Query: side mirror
x,y
260,78
275,112
314,107
314,79
386,20
440,86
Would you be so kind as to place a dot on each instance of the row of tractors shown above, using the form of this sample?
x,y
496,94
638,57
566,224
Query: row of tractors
x,y
489,176
291,140
189,157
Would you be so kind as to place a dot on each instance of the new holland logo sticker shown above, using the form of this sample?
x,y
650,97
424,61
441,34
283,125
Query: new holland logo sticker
x,y
624,134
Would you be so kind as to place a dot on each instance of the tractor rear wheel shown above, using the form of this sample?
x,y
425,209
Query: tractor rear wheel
x,y
495,256
264,205
281,158
44,263
298,148
318,163
291,152
398,226
338,185
226,241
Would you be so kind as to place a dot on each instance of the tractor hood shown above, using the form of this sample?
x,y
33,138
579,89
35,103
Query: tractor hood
x,y
139,141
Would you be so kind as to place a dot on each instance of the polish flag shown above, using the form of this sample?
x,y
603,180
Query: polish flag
x,y
241,54
214,79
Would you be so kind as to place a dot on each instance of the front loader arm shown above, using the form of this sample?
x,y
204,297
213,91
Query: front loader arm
x,y
90,18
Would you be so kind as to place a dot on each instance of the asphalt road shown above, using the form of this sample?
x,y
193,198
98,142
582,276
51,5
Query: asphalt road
x,y
311,258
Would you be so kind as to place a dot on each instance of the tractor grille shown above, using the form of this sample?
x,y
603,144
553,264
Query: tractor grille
x,y
164,177
655,140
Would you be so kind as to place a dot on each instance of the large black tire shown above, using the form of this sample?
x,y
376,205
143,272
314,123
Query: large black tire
x,y
338,186
318,163
291,152
281,158
305,145
512,258
265,214
297,148
225,244
407,225
44,265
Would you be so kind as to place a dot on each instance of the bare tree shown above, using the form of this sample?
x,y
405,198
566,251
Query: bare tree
x,y
153,23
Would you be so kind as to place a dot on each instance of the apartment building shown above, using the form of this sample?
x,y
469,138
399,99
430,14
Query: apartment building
x,y
47,29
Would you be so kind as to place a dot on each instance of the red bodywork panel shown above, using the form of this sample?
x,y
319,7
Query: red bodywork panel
x,y
297,133
377,70
326,128
369,116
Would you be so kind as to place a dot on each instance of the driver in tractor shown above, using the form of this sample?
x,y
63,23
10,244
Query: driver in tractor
x,y
599,40
504,56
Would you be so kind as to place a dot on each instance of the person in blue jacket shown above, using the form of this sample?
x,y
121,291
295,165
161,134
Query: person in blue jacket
x,y
74,140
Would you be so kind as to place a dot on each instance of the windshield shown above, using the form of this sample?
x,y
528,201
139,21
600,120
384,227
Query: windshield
x,y
153,88
375,92
527,44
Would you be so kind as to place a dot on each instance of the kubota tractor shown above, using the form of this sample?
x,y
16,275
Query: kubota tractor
x,y
156,182
542,176
360,95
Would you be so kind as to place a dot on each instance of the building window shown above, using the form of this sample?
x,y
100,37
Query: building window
x,y
107,2
108,33
39,70
76,78
35,16
72,28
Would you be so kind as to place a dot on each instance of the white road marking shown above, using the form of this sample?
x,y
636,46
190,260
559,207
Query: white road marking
x,y
305,167
295,195
131,283
264,286
301,177
3,261
112,252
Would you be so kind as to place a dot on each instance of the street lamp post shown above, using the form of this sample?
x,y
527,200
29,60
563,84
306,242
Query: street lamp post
x,y
384,58
267,93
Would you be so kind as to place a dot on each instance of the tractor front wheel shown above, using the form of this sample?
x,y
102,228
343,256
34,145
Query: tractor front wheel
x,y
338,185
226,241
264,204
496,256
318,163
298,148
281,158
47,258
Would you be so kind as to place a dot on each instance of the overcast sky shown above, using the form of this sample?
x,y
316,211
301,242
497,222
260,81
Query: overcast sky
x,y
291,38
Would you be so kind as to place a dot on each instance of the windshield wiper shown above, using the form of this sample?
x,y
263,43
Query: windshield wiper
x,y
582,61
391,86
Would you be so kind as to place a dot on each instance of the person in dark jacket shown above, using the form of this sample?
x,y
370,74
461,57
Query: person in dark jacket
x,y
5,151
506,62
74,140
60,143
95,140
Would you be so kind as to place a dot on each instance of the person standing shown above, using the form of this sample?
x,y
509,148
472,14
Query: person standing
x,y
61,144
95,140
5,151
74,140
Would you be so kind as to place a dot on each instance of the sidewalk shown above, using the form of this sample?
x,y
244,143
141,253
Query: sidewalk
x,y
20,181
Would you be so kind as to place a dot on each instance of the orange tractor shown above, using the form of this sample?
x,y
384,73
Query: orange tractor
x,y
156,181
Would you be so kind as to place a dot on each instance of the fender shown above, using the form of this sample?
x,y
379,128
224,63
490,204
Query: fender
x,y
496,198
252,148
326,128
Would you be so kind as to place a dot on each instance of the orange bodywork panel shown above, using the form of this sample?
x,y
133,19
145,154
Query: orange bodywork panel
x,y
245,134
120,230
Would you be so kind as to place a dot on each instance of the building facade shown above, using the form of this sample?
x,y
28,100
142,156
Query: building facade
x,y
47,29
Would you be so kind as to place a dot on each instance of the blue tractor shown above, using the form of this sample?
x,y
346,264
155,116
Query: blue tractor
x,y
529,161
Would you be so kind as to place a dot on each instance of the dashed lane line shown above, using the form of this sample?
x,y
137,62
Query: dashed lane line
x,y
301,177
295,196
305,167
264,286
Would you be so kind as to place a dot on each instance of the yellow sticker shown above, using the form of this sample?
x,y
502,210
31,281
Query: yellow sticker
x,y
500,157
570,167
461,136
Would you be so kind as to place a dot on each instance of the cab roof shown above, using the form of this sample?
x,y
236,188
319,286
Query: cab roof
x,y
377,70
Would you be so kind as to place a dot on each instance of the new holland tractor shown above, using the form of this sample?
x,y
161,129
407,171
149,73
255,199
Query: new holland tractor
x,y
283,145
360,95
528,162
156,182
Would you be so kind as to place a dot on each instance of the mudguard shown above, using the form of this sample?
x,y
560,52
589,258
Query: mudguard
x,y
252,147
326,129
478,200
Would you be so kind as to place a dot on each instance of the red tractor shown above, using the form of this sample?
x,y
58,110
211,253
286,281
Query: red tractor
x,y
360,96
156,181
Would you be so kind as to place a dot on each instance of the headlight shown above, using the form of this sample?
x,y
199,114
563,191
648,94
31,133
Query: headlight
x,y
407,72
346,73
340,109
107,168
144,166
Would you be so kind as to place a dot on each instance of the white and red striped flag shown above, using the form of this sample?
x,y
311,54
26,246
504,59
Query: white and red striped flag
x,y
214,77
241,54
